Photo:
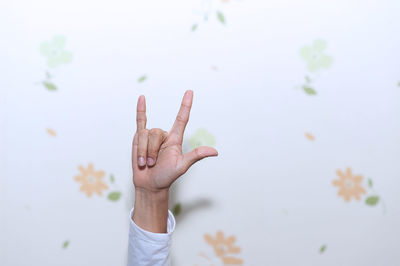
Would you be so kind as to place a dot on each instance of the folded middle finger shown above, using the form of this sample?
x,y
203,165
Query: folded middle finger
x,y
156,138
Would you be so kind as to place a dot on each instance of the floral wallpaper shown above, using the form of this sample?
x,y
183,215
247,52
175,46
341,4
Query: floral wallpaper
x,y
316,61
56,55
301,99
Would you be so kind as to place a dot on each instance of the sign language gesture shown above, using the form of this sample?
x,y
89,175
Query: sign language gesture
x,y
157,155
157,161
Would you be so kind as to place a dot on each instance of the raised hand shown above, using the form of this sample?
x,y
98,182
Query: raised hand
x,y
163,151
157,161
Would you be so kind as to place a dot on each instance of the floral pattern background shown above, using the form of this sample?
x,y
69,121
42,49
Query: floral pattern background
x,y
301,99
316,60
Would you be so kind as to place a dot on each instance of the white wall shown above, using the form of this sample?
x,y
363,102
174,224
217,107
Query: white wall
x,y
270,187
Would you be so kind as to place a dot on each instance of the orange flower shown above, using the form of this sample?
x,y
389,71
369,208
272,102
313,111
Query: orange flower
x,y
310,136
91,180
223,246
51,132
349,185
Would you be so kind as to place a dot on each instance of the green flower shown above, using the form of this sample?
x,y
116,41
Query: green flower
x,y
54,51
201,138
315,57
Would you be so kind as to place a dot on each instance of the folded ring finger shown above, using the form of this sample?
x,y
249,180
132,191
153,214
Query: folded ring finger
x,y
156,138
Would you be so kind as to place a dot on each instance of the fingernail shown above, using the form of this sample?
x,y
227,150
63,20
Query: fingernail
x,y
150,161
141,161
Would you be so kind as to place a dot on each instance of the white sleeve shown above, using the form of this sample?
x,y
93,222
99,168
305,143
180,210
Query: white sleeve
x,y
148,248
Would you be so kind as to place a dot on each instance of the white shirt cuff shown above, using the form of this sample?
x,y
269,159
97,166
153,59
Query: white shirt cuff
x,y
148,248
150,236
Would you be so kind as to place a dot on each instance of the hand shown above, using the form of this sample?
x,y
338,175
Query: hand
x,y
162,150
157,161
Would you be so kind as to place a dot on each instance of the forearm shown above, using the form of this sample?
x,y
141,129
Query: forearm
x,y
151,227
151,210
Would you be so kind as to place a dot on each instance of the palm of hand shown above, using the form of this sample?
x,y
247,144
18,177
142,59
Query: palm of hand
x,y
163,173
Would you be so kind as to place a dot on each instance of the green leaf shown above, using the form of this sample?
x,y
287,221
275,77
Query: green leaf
x,y
308,80
65,244
48,76
114,196
176,210
194,27
221,17
112,178
309,90
372,200
370,184
398,84
142,78
50,86
322,249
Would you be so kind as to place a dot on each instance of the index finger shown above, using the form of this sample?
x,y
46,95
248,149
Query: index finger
x,y
183,116
141,118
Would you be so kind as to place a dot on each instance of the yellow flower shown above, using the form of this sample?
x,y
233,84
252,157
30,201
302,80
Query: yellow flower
x,y
91,180
349,185
223,247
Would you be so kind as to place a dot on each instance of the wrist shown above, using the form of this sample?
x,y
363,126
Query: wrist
x,y
151,209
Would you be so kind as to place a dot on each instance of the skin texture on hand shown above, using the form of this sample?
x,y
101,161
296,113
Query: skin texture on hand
x,y
157,161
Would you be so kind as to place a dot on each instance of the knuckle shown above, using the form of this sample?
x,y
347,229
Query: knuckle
x,y
156,133
141,120
143,132
180,118
185,107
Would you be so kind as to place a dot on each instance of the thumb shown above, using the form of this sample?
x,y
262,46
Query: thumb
x,y
196,155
